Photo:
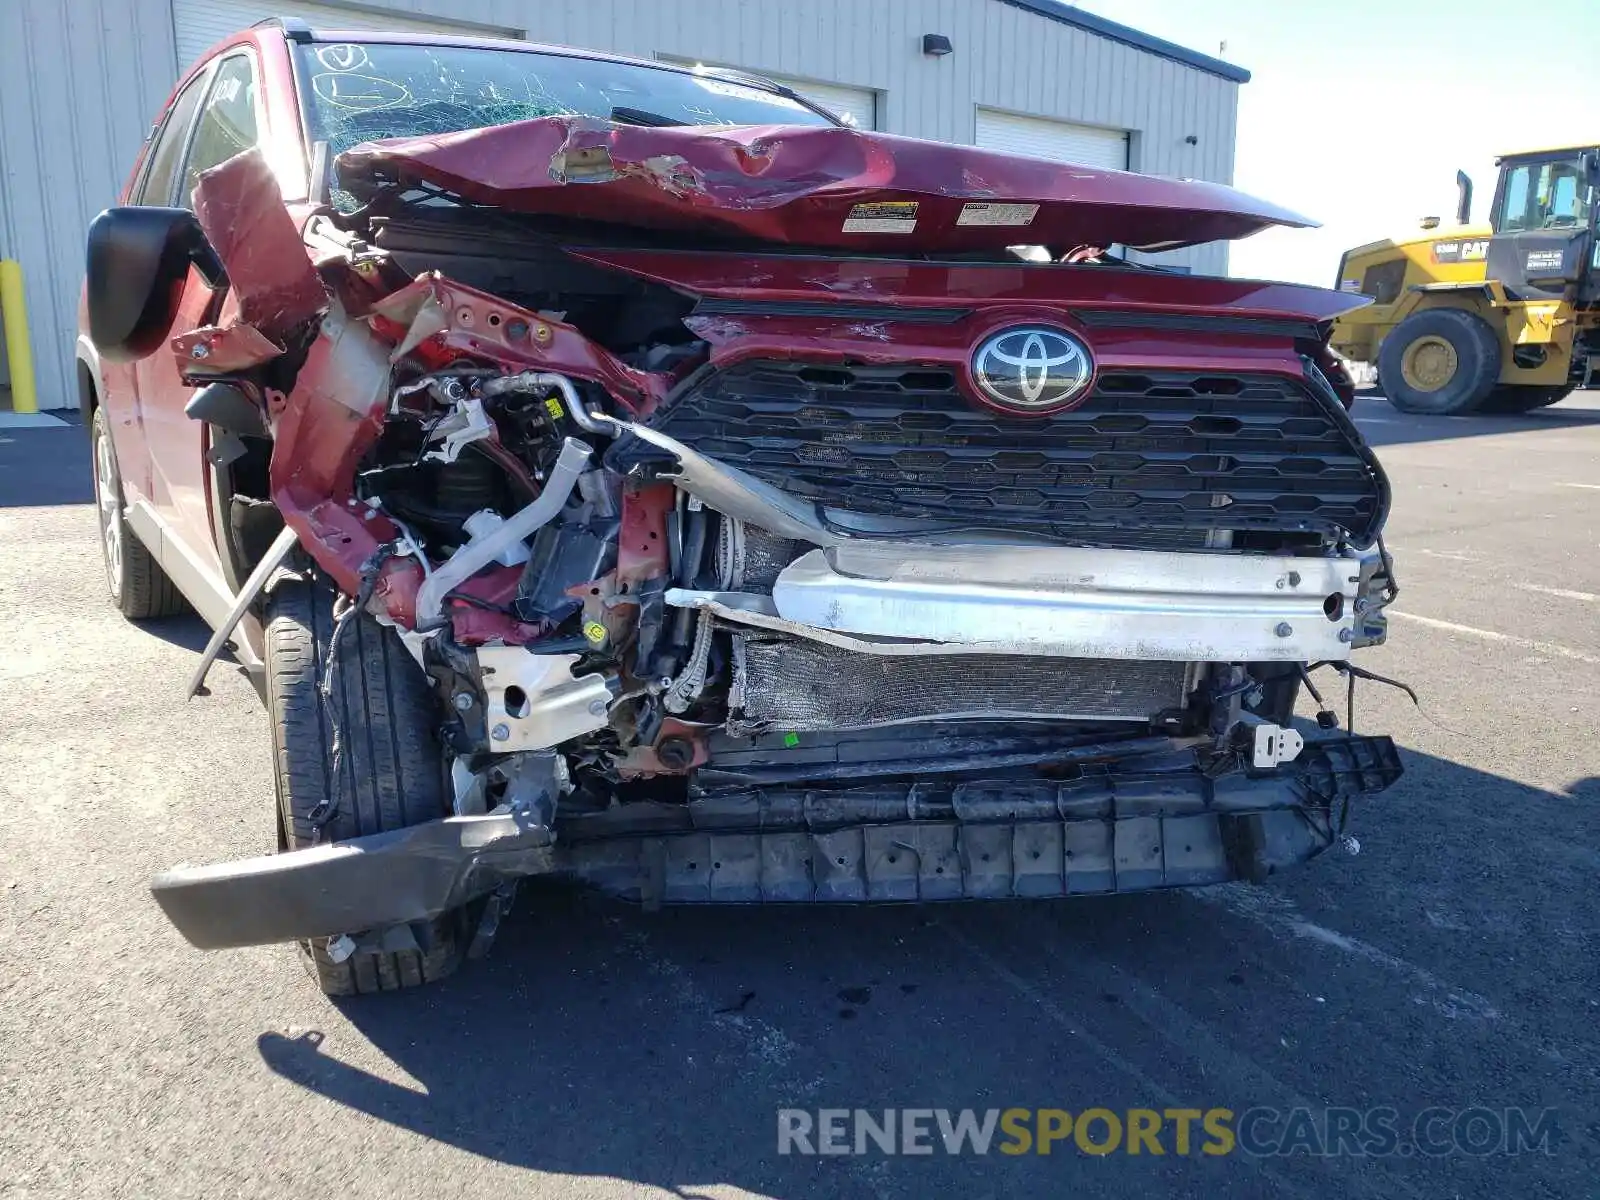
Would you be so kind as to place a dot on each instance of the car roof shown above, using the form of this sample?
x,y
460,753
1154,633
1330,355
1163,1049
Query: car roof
x,y
295,31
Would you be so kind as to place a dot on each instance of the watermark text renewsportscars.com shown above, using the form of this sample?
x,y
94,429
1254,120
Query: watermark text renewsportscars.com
x,y
1212,1132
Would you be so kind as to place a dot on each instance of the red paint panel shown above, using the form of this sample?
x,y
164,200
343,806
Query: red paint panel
x,y
642,542
802,185
270,275
951,346
856,281
453,320
222,351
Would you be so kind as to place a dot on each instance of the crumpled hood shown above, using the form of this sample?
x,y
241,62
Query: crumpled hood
x,y
821,187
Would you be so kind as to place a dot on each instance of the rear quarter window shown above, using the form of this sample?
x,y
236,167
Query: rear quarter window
x,y
167,153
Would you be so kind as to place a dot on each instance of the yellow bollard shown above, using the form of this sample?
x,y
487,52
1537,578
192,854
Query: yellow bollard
x,y
19,358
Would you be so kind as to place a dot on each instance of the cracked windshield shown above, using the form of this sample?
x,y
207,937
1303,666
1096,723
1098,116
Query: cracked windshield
x,y
365,92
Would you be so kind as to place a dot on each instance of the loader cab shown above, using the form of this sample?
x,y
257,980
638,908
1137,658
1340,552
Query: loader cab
x,y
1545,204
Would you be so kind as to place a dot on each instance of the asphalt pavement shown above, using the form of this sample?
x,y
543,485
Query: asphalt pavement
x,y
1449,965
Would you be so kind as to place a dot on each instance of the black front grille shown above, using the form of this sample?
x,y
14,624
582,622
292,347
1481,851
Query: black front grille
x,y
1165,454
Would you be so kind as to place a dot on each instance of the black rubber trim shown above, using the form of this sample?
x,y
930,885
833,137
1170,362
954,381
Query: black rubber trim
x,y
1323,391
904,313
984,838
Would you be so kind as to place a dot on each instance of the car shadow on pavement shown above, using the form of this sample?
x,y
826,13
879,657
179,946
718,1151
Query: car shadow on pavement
x,y
187,633
1384,425
599,1040
44,467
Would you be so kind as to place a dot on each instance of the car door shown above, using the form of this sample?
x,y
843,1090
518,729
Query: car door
x,y
227,123
119,390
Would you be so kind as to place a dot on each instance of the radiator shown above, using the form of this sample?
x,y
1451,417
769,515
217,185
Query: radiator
x,y
782,683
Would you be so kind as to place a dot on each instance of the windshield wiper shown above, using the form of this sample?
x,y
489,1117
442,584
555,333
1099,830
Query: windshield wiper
x,y
624,115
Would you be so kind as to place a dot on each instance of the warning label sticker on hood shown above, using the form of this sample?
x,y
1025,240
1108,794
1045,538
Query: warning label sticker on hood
x,y
985,213
889,216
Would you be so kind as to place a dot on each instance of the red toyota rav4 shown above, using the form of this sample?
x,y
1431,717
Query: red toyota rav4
x,y
633,473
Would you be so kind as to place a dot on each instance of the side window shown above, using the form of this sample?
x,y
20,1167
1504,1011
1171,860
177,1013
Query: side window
x,y
1564,198
167,153
227,124
1519,187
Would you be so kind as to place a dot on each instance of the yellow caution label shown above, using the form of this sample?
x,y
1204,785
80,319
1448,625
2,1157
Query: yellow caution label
x,y
595,632
553,407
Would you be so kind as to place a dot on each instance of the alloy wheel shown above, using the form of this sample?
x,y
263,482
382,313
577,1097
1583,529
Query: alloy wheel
x,y
110,509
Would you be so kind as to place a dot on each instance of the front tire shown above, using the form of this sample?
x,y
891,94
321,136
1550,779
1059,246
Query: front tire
x,y
1440,362
390,769
139,587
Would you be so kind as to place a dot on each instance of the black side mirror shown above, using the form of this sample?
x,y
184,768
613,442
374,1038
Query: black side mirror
x,y
138,259
1463,198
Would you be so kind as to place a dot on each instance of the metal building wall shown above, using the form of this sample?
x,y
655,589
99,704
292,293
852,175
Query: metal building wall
x,y
81,79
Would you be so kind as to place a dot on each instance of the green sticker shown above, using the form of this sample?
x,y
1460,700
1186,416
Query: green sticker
x,y
791,739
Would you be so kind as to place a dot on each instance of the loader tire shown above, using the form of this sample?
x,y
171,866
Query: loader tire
x,y
1514,398
1440,362
389,760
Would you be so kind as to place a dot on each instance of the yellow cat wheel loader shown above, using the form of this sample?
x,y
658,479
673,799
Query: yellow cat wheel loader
x,y
1503,317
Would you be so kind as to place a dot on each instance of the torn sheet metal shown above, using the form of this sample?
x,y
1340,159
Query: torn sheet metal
x,y
451,320
726,489
321,429
211,350
240,208
805,185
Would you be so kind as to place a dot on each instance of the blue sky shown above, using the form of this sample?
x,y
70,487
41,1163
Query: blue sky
x,y
1359,112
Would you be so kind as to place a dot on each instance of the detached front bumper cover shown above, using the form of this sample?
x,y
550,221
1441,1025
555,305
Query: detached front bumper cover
x,y
1129,826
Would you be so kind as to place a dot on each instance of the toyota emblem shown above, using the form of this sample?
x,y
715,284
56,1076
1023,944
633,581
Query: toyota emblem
x,y
1032,368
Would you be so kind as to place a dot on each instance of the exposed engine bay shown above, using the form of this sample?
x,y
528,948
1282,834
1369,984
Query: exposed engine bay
x,y
683,558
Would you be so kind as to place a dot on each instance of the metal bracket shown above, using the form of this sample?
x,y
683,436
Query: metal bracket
x,y
533,701
1271,745
1373,584
468,424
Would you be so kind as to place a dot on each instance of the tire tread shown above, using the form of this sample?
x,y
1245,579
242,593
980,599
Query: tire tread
x,y
389,763
1478,353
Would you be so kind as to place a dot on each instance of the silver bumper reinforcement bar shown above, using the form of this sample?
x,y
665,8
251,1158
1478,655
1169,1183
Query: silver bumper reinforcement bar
x,y
886,597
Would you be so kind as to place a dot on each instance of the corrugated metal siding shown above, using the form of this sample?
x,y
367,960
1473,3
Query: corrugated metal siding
x,y
200,24
79,80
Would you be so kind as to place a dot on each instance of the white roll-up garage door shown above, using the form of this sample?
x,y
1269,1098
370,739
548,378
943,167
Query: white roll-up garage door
x,y
859,106
1058,141
200,24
